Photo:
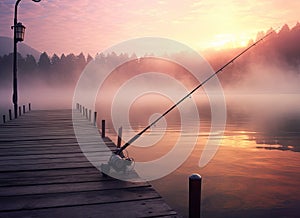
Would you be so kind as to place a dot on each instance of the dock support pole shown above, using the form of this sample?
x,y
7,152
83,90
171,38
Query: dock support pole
x,y
4,120
95,118
24,109
80,108
29,106
195,181
20,111
10,115
119,137
103,129
90,115
86,113
83,110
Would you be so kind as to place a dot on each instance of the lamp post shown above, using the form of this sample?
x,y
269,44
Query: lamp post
x,y
19,31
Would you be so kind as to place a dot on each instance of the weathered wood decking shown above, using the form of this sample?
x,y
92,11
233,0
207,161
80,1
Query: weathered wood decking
x,y
43,173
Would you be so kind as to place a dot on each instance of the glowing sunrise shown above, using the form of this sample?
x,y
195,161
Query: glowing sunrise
x,y
90,26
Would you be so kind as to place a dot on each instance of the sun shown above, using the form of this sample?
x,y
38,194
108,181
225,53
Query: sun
x,y
228,40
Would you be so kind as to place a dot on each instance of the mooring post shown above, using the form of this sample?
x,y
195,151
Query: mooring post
x,y
83,110
90,115
9,113
195,181
20,111
77,106
23,109
95,118
4,120
103,129
80,108
29,107
86,113
119,137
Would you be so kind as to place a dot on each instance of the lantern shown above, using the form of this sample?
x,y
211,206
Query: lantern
x,y
20,32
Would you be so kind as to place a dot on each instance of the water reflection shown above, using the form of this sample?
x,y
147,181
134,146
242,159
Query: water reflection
x,y
249,176
282,135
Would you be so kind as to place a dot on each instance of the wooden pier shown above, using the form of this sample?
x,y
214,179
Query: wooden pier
x,y
43,173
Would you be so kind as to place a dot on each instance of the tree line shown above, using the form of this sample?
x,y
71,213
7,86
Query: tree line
x,y
282,48
53,70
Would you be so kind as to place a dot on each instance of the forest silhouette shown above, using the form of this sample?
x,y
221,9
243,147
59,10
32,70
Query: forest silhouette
x,y
282,49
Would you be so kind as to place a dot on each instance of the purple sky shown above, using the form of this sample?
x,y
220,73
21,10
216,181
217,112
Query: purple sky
x,y
63,26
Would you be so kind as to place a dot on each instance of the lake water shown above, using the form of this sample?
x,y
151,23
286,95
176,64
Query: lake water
x,y
255,172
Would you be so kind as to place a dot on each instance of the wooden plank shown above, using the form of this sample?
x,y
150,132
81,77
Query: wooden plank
x,y
49,149
65,151
68,187
143,208
37,180
44,166
47,143
78,159
48,156
28,202
48,173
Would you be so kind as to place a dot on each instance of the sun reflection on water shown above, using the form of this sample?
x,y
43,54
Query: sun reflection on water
x,y
244,179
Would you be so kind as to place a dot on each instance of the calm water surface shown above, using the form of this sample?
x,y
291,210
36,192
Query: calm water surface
x,y
253,174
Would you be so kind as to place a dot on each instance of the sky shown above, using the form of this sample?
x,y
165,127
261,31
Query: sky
x,y
90,26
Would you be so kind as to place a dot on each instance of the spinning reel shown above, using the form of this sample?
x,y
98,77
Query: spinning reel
x,y
119,163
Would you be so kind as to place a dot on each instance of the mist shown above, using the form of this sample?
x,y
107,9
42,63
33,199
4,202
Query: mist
x,y
261,88
42,96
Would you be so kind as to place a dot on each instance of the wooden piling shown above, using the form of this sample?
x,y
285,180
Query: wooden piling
x,y
29,107
95,118
20,111
119,137
24,109
195,181
86,113
90,115
103,129
4,120
10,115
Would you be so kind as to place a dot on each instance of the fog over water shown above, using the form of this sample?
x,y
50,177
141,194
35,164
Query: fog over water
x,y
256,167
264,92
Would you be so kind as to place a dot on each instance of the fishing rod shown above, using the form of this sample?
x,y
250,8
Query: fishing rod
x,y
119,151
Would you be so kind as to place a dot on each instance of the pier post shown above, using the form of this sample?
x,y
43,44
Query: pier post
x,y
29,106
20,111
83,110
9,113
103,129
90,115
195,181
80,108
86,113
119,137
95,118
77,106
4,120
24,109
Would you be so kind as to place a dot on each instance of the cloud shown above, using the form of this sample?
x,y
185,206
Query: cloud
x,y
90,26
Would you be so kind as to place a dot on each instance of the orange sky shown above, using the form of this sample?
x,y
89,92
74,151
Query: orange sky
x,y
63,26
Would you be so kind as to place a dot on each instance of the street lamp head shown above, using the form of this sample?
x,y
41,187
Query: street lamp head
x,y
20,32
